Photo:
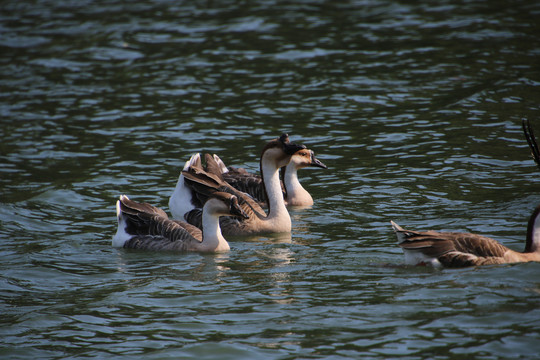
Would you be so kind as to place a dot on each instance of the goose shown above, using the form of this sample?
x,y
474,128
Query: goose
x,y
453,249
200,183
531,139
293,192
182,200
146,227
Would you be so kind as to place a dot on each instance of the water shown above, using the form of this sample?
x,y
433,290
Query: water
x,y
416,108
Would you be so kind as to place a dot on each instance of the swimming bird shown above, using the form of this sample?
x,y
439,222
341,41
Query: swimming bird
x,y
531,140
146,227
183,200
453,249
293,192
199,183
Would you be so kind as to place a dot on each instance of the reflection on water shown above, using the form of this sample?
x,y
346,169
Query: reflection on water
x,y
416,109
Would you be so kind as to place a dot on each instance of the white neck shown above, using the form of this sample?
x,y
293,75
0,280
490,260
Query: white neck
x,y
213,240
277,210
296,194
535,246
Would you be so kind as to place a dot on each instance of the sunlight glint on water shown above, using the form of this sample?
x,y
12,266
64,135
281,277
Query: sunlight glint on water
x,y
415,108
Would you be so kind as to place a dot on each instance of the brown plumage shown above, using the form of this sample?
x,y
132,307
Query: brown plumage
x,y
145,227
202,183
246,182
452,249
293,192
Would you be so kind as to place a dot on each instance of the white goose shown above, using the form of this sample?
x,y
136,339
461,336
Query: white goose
x,y
451,249
197,184
145,227
293,192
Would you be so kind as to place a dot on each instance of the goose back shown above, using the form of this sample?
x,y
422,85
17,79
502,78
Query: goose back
x,y
204,185
293,191
151,229
449,249
452,249
204,182
145,227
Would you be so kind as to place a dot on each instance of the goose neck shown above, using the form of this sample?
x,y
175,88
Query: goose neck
x,y
212,238
533,232
272,187
291,182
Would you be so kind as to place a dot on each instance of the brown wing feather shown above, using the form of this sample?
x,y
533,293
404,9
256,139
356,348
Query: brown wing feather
x,y
153,230
479,245
238,171
248,183
240,179
230,225
212,166
455,249
156,243
454,259
133,207
204,184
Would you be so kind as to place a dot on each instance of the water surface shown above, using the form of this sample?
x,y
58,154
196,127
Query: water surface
x,y
415,107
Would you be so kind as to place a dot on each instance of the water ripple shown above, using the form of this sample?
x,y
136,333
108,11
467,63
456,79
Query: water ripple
x,y
415,108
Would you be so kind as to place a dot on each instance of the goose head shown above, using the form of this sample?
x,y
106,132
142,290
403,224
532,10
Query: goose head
x,y
280,151
304,158
224,204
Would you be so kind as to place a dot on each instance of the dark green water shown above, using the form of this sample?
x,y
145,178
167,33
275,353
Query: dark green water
x,y
416,108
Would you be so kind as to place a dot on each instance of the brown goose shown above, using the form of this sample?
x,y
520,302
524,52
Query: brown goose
x,y
531,139
201,184
293,192
452,249
145,227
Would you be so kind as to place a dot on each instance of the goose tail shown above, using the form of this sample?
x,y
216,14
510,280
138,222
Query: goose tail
x,y
400,232
121,236
220,164
181,200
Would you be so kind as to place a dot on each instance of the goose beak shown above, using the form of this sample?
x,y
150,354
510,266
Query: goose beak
x,y
316,162
236,210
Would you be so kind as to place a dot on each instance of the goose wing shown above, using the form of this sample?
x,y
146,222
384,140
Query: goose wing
x,y
130,207
151,229
452,249
230,225
204,184
238,171
248,183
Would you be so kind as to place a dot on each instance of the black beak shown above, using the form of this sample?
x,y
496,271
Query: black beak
x,y
316,162
236,210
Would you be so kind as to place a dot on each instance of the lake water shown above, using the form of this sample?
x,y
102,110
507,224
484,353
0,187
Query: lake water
x,y
416,108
